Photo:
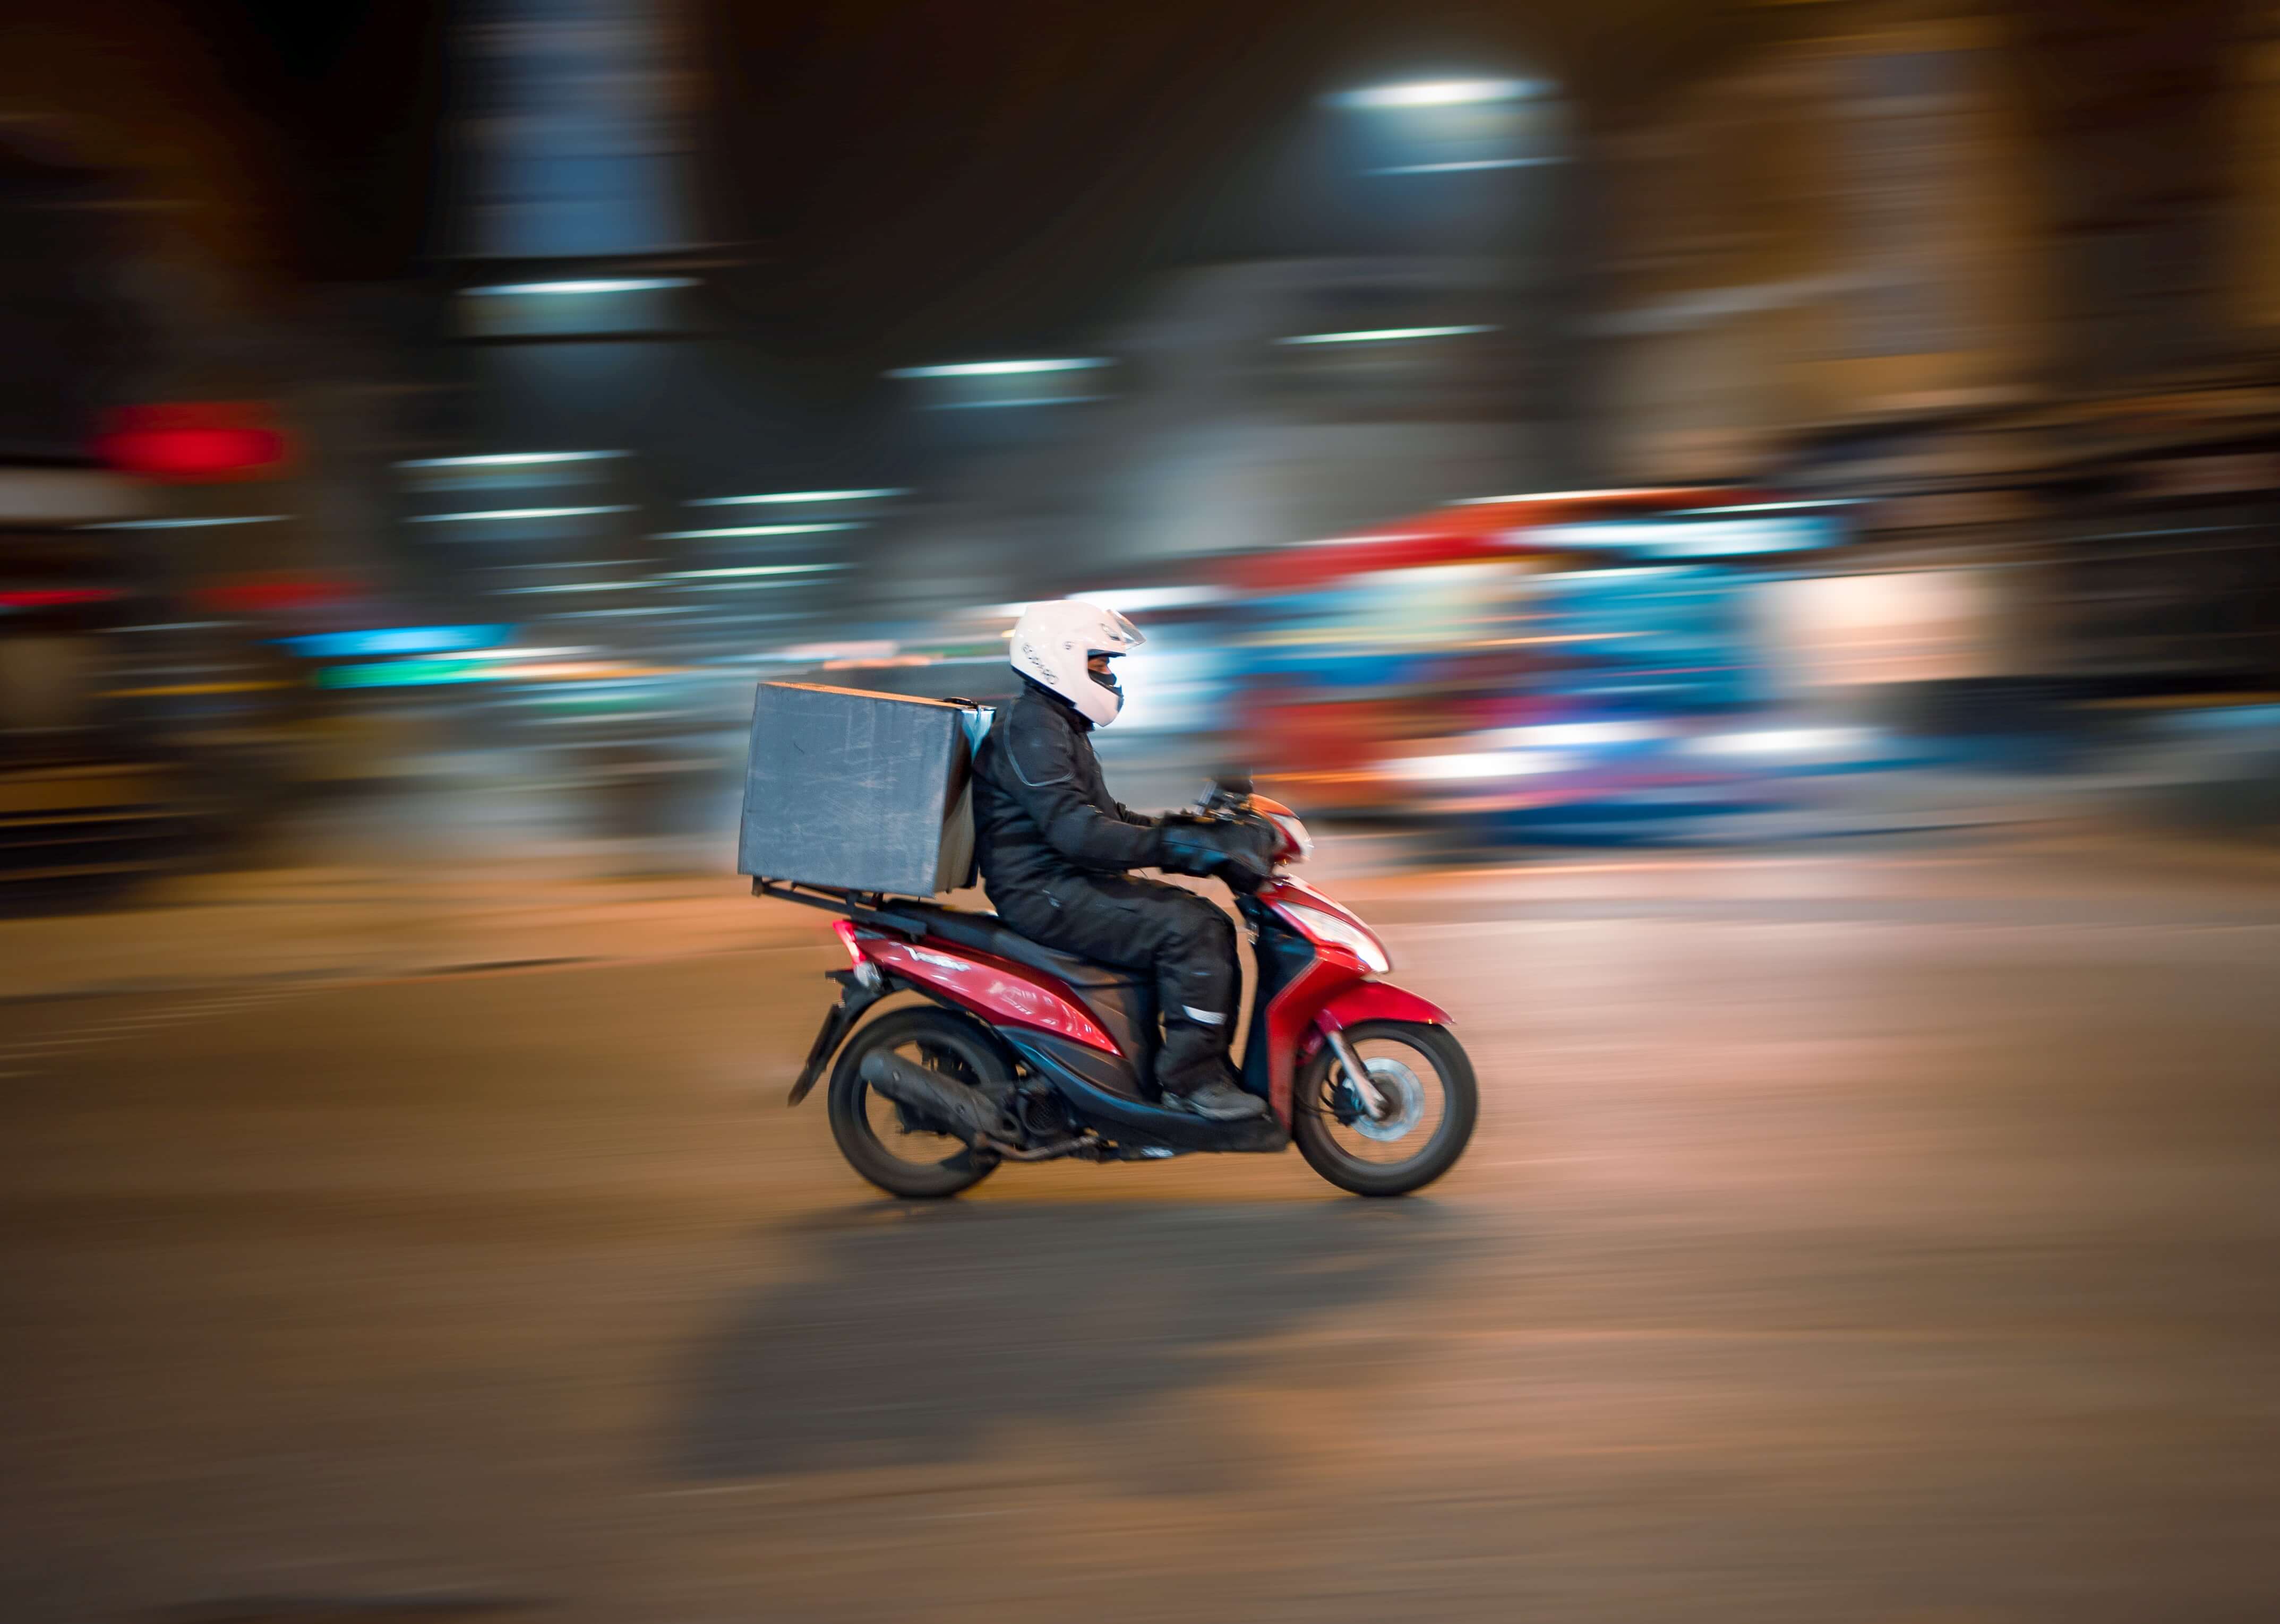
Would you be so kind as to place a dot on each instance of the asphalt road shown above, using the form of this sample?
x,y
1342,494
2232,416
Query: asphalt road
x,y
1856,1235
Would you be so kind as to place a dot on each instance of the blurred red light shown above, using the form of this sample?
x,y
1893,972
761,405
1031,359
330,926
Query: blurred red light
x,y
55,597
275,595
194,440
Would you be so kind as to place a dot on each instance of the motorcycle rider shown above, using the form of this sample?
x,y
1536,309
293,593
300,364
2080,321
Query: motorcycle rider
x,y
1056,850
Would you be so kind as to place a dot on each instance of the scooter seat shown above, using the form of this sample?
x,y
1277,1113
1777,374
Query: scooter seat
x,y
989,934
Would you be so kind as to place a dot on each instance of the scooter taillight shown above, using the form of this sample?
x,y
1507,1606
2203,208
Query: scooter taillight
x,y
866,971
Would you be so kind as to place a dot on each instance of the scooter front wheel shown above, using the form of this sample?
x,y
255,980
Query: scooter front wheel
x,y
1427,1102
879,1138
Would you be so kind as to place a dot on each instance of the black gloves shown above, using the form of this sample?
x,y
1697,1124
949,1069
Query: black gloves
x,y
1239,852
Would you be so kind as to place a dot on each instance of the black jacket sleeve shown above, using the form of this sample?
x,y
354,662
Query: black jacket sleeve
x,y
1045,778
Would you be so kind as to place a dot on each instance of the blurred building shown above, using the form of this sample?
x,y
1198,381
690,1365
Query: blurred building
x,y
1840,228
1249,406
150,472
607,397
1993,275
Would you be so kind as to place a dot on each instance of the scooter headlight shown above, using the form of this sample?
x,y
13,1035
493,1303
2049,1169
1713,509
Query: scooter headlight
x,y
1345,933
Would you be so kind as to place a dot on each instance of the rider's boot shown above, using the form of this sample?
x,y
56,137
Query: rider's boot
x,y
1193,1070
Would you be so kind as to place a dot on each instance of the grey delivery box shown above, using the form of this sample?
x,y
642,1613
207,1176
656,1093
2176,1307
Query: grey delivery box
x,y
859,791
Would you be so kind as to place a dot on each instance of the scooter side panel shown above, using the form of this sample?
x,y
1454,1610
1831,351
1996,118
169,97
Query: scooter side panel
x,y
1093,1085
1291,1020
1280,955
991,987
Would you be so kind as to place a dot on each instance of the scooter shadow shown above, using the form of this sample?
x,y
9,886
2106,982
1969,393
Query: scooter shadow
x,y
912,1340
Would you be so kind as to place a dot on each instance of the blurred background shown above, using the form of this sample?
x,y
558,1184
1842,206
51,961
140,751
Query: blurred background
x,y
1747,524
483,396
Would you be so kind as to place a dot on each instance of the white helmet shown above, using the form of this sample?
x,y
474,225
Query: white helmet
x,y
1052,642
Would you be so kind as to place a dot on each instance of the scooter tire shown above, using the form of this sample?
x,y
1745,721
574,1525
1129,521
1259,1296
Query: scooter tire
x,y
1310,1123
934,1030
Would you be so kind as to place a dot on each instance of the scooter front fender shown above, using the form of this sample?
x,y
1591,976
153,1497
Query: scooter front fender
x,y
1297,1022
1361,1001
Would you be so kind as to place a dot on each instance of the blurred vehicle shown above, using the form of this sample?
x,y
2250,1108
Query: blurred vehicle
x,y
1583,664
1029,1054
135,726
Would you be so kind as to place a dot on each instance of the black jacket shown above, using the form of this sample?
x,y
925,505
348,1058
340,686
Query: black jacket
x,y
1041,811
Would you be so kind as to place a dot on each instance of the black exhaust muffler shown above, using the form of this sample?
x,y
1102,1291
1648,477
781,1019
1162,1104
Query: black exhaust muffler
x,y
965,1112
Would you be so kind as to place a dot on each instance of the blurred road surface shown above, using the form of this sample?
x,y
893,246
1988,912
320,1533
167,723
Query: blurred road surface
x,y
1862,1234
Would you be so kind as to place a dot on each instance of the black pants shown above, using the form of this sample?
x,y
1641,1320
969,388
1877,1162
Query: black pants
x,y
1186,942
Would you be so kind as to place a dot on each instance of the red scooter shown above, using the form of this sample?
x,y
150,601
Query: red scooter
x,y
1021,1053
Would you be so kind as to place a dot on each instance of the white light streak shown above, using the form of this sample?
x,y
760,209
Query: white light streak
x,y
503,459
1770,507
1439,93
798,496
492,515
753,569
1478,765
1457,165
1141,599
624,284
700,535
1557,496
1782,741
1571,733
1384,335
188,524
1025,400
998,369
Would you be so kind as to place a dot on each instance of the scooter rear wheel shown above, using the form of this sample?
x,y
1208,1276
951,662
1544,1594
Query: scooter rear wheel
x,y
1422,1073
876,1137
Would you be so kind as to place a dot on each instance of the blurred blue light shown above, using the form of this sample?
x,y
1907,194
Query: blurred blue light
x,y
399,640
1694,538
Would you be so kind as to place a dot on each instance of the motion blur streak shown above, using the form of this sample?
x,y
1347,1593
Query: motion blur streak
x,y
1834,790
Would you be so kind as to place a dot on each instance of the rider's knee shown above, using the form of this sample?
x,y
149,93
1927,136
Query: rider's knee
x,y
1200,927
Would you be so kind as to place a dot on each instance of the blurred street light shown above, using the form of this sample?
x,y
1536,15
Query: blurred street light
x,y
754,569
1440,93
622,284
795,495
1381,336
187,524
502,513
703,535
505,459
993,369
